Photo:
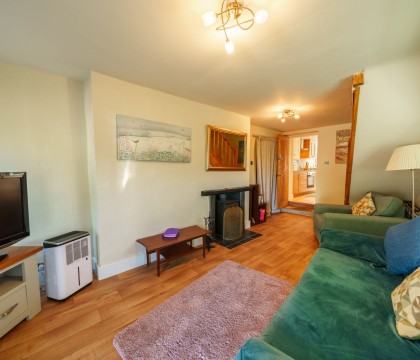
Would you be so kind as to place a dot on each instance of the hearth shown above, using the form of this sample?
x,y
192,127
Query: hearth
x,y
226,216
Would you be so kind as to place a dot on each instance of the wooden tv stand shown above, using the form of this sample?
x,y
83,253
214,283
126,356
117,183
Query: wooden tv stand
x,y
20,296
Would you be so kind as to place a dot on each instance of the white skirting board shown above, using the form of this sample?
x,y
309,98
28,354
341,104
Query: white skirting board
x,y
115,268
118,267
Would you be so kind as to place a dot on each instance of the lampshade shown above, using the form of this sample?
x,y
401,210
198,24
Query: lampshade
x,y
405,158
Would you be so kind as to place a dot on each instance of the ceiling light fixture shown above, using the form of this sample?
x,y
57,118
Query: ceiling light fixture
x,y
232,14
288,114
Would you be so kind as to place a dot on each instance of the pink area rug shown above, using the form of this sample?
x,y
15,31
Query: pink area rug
x,y
209,319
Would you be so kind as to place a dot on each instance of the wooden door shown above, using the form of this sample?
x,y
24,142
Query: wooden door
x,y
282,171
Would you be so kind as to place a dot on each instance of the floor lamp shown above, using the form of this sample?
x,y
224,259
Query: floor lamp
x,y
406,158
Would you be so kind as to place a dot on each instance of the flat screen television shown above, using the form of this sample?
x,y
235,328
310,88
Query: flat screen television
x,y
14,214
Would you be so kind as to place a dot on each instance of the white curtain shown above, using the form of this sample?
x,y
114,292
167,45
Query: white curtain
x,y
266,162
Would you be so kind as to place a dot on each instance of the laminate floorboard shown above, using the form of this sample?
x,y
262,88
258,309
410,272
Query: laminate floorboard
x,y
83,326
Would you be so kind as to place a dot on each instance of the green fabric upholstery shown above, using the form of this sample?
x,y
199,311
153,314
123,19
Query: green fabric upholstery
x,y
387,205
341,309
256,349
372,225
357,245
330,208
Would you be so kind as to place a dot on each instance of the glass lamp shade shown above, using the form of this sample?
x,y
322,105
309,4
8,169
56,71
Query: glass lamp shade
x,y
261,16
209,18
230,48
297,116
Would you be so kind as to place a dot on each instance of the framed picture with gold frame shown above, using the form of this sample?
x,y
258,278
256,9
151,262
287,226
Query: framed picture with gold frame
x,y
226,149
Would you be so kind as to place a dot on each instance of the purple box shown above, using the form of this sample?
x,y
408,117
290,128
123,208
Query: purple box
x,y
171,233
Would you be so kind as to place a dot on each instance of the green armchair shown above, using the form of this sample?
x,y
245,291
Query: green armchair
x,y
389,211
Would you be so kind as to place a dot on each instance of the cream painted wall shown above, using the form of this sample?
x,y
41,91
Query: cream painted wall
x,y
257,131
331,177
135,198
389,116
42,132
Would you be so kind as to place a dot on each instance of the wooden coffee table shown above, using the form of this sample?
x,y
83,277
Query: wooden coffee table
x,y
174,248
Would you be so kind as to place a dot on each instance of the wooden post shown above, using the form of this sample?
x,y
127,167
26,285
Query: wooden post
x,y
358,80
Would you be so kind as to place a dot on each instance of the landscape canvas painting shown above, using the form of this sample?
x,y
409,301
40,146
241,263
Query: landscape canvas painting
x,y
146,140
342,146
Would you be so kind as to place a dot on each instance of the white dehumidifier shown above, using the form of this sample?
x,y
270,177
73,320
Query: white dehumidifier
x,y
68,264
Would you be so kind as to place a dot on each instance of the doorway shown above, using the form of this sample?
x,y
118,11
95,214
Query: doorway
x,y
302,177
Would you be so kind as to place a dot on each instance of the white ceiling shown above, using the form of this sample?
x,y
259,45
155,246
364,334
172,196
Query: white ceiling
x,y
301,58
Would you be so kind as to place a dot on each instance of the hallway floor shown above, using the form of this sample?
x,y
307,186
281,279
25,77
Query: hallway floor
x,y
304,199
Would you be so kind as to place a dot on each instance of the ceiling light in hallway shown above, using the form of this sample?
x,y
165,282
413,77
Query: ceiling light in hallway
x,y
285,114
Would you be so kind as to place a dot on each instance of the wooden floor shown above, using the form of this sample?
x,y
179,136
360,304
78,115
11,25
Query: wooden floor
x,y
84,326
305,199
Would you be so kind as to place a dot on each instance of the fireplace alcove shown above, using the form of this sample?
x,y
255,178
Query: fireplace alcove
x,y
227,216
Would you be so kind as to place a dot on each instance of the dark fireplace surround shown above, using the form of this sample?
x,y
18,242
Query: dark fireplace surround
x,y
222,200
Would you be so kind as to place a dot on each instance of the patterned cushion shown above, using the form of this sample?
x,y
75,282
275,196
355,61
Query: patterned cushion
x,y
365,206
406,303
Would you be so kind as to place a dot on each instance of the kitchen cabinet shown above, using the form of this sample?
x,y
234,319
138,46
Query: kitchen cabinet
x,y
305,147
296,182
300,183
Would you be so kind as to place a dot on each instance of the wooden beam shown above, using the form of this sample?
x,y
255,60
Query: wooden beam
x,y
358,79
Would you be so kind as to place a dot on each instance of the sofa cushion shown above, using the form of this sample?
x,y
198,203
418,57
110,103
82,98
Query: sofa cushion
x,y
361,246
364,206
386,205
341,309
406,303
402,247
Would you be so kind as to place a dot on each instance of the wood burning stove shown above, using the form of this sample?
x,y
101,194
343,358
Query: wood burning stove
x,y
229,219
226,217
222,200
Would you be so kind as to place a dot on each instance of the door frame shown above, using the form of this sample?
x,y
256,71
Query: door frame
x,y
291,137
282,173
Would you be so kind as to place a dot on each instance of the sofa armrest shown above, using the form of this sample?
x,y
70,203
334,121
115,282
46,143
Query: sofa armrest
x,y
329,208
372,225
357,245
258,349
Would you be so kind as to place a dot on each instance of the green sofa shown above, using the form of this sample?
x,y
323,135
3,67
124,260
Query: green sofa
x,y
341,308
390,211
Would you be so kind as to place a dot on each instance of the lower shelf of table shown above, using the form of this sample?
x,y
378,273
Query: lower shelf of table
x,y
178,250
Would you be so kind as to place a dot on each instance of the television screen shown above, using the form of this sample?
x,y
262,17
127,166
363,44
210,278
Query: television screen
x,y
14,219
